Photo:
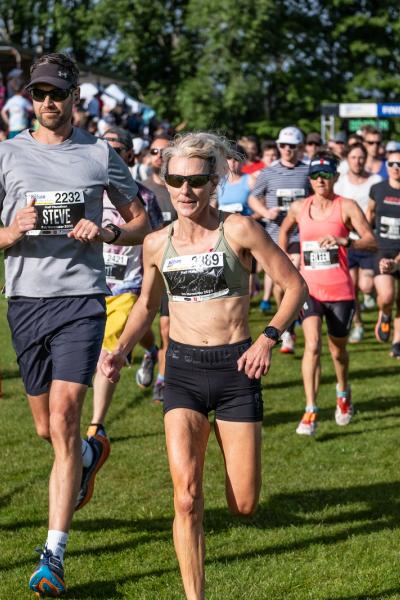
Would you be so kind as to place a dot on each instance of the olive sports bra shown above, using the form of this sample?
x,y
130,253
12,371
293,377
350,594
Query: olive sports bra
x,y
200,277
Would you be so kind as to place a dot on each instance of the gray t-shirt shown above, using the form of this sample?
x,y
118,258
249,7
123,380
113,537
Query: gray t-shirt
x,y
68,181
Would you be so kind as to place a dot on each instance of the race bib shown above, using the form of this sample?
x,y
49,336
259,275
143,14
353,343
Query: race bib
x,y
285,196
58,212
196,277
235,207
390,228
115,265
316,258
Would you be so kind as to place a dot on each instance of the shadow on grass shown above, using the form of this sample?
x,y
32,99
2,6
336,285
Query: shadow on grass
x,y
137,436
328,437
381,404
10,373
376,509
367,596
355,375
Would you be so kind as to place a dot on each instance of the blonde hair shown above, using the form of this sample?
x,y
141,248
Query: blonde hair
x,y
210,147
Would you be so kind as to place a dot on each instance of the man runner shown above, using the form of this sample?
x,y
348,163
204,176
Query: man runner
x,y
275,189
51,201
356,184
384,211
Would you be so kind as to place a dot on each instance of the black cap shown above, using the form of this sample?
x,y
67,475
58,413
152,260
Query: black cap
x,y
119,135
52,74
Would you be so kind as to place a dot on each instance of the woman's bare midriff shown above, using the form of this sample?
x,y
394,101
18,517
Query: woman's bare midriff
x,y
210,323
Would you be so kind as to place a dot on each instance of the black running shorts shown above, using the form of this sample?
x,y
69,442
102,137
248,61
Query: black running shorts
x,y
206,379
56,338
338,315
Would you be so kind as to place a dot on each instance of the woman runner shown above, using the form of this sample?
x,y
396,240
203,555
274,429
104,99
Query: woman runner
x,y
204,258
325,221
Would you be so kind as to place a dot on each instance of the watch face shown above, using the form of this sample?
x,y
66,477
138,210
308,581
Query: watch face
x,y
272,333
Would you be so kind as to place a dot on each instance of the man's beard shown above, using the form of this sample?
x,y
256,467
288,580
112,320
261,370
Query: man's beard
x,y
55,121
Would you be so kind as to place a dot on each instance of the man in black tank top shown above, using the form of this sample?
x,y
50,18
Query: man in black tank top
x,y
384,211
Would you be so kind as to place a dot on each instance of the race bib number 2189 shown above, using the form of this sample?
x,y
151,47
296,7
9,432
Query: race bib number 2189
x,y
58,212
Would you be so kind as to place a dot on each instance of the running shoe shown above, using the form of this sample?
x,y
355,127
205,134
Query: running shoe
x,y
383,327
344,407
145,373
100,445
48,577
288,340
158,392
265,306
308,423
368,302
395,351
356,334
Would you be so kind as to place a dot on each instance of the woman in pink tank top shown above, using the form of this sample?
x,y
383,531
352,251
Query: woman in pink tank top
x,y
324,221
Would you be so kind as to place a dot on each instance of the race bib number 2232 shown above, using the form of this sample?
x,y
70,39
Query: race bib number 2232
x,y
58,212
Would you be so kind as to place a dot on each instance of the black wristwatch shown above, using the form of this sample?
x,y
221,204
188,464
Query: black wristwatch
x,y
272,333
116,231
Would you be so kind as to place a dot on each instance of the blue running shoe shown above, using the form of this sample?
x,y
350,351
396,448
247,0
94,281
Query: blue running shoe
x,y
48,578
265,306
101,449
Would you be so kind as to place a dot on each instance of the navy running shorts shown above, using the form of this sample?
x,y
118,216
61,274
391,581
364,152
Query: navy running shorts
x,y
56,338
360,259
206,378
338,315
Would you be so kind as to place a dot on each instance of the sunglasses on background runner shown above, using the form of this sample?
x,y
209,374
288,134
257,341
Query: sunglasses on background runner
x,y
195,181
56,95
322,174
291,146
393,163
372,143
155,151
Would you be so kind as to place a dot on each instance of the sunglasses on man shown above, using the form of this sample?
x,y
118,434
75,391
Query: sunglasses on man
x,y
394,163
322,174
155,151
195,181
291,146
372,143
57,95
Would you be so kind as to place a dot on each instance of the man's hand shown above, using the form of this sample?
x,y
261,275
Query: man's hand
x,y
87,231
25,220
257,359
387,266
112,365
273,213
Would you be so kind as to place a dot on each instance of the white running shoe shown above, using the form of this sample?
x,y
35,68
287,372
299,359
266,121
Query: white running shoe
x,y
369,302
356,334
288,340
145,373
308,423
344,407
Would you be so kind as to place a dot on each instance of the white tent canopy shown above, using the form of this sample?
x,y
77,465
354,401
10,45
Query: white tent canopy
x,y
113,94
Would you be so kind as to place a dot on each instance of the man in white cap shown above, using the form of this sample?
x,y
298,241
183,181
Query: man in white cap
x,y
275,189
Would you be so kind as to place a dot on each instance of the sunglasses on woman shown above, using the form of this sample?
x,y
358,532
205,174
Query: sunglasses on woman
x,y
291,146
195,181
57,95
322,174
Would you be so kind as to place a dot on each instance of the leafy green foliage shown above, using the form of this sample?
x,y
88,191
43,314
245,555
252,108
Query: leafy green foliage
x,y
236,66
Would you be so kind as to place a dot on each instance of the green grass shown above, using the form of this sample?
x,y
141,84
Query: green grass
x,y
328,523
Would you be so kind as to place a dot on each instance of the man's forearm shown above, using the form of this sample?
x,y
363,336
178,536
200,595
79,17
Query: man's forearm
x,y
134,232
8,238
